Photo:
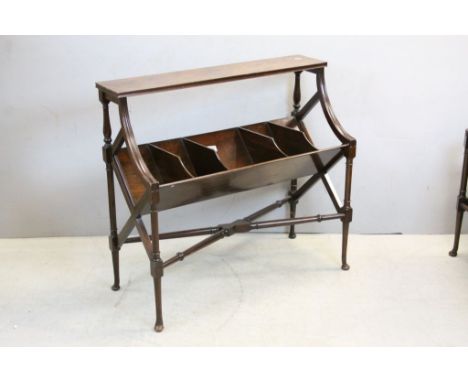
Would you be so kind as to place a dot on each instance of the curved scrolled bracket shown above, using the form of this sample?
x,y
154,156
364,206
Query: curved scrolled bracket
x,y
132,146
330,116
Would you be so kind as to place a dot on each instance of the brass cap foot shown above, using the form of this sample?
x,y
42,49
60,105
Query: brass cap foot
x,y
158,328
345,267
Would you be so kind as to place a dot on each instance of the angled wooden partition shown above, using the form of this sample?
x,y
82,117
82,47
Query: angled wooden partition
x,y
157,176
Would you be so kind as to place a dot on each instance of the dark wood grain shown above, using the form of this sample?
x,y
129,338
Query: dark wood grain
x,y
177,147
228,145
261,147
243,179
170,166
290,141
133,179
205,76
204,159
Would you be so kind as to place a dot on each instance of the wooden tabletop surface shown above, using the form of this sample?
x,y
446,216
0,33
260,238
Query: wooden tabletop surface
x,y
205,76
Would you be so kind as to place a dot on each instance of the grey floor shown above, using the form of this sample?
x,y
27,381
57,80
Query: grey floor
x,y
251,289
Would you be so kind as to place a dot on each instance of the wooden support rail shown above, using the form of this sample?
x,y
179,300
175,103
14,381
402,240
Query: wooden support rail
x,y
205,76
246,226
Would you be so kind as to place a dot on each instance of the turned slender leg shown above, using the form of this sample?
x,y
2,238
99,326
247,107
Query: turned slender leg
x,y
461,199
344,245
156,263
347,206
113,227
113,244
107,155
293,187
292,208
458,225
159,325
115,265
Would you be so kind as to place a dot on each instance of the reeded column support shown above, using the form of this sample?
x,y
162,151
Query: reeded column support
x,y
293,185
461,199
292,208
347,210
107,156
156,262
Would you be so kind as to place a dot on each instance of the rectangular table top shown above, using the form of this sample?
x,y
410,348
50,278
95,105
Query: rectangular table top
x,y
205,76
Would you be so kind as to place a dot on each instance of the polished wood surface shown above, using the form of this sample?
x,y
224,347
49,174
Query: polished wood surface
x,y
205,76
161,175
224,162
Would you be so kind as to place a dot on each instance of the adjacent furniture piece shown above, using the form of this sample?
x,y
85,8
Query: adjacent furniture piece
x,y
462,201
166,174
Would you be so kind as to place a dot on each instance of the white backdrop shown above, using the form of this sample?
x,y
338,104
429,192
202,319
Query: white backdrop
x,y
403,98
